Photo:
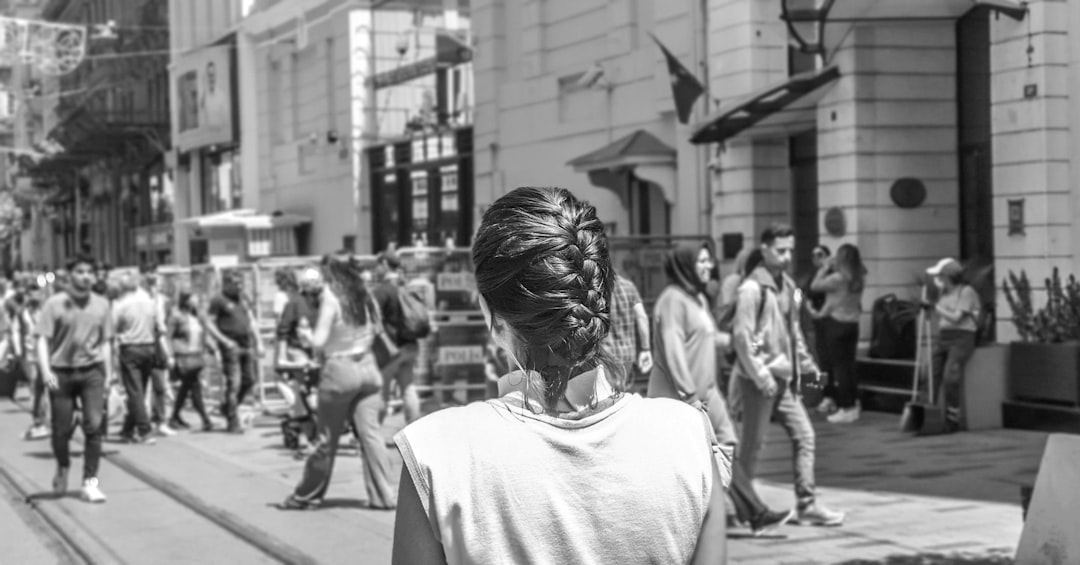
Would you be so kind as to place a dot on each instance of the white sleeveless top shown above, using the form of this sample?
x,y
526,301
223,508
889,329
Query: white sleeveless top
x,y
627,484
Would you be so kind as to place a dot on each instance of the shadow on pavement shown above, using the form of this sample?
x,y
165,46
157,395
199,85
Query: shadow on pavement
x,y
873,455
934,559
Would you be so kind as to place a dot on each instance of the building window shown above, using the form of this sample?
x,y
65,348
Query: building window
x,y
331,85
420,208
276,115
220,184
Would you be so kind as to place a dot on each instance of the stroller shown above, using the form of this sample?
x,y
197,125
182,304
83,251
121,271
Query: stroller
x,y
295,426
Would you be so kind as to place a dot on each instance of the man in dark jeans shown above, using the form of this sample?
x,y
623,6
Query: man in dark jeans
x,y
139,333
231,323
74,333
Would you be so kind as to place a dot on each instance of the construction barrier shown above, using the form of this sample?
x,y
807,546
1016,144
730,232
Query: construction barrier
x,y
452,359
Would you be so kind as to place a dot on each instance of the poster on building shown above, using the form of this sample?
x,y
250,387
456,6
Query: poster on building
x,y
203,82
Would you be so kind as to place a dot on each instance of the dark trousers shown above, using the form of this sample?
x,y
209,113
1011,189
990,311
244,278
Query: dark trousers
x,y
239,379
841,341
746,501
86,385
954,349
136,368
190,376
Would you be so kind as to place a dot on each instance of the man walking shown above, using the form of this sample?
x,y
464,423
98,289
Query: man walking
x,y
628,339
231,323
772,360
400,369
74,333
23,334
139,333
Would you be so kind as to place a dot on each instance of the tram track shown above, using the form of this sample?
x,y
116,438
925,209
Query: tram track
x,y
75,539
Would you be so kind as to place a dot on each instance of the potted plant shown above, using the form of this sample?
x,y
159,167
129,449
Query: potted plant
x,y
1045,364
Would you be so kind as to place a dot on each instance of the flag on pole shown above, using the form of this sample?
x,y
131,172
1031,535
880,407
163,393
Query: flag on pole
x,y
685,87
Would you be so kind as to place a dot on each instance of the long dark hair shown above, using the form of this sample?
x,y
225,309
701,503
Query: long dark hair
x,y
183,302
542,266
849,262
343,278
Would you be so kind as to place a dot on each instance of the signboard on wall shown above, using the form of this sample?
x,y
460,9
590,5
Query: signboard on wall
x,y
203,93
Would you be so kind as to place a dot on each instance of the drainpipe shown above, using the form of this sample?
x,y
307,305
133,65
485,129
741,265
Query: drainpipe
x,y
699,16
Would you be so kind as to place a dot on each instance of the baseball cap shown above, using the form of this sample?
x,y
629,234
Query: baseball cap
x,y
945,267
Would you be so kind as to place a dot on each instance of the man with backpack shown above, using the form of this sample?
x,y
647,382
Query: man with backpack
x,y
772,360
406,316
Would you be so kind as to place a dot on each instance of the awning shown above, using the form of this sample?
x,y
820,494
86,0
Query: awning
x,y
649,158
846,11
780,110
246,219
640,147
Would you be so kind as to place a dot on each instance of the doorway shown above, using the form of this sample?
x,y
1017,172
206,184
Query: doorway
x,y
803,164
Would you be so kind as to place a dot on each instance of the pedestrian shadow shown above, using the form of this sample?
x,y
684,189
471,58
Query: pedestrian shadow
x,y
48,496
333,503
750,535
993,558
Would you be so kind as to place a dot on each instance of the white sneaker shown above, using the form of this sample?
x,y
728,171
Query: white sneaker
x,y
165,430
91,493
844,416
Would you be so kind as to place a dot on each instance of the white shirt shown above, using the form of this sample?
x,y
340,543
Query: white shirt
x,y
501,484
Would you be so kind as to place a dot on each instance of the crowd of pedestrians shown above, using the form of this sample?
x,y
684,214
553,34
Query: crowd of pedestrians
x,y
602,422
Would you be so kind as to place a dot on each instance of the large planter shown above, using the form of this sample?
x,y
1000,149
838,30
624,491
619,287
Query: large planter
x,y
985,387
1048,373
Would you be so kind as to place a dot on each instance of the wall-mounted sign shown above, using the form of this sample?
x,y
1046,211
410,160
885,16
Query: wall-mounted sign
x,y
1016,217
451,49
203,94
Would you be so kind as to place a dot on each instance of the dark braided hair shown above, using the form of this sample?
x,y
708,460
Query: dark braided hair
x,y
542,266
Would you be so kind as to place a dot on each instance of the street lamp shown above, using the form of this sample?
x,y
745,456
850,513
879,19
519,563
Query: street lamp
x,y
806,21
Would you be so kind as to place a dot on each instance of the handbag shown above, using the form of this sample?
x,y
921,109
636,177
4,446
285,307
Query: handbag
x,y
383,346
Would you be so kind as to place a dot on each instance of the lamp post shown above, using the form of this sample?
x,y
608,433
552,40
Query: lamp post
x,y
806,21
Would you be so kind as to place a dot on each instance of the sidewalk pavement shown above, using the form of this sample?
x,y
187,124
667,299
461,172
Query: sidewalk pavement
x,y
956,496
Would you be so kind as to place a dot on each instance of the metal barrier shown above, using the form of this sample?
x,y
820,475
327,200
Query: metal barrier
x,y
452,359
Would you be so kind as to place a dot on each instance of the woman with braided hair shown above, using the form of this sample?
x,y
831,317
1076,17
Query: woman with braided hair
x,y
560,468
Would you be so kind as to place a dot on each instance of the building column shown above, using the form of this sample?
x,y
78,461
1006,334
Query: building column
x,y
892,115
1073,23
1031,140
749,181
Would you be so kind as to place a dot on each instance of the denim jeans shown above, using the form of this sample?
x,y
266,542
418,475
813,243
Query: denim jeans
x,y
239,368
954,349
841,340
39,407
87,384
787,407
350,388
136,366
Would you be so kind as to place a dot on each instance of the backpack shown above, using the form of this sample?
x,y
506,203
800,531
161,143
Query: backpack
x,y
725,321
415,322
893,324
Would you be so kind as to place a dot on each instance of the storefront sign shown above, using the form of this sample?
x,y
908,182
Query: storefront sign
x,y
461,355
203,89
